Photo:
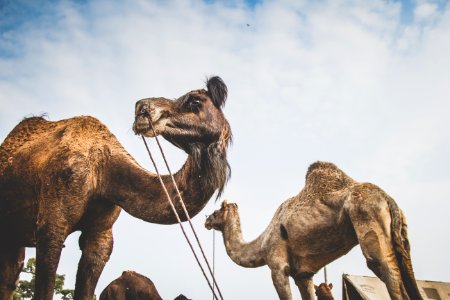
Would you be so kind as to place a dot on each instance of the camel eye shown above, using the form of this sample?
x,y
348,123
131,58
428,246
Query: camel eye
x,y
195,104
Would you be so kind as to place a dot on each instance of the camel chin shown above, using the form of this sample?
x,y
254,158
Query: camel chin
x,y
149,133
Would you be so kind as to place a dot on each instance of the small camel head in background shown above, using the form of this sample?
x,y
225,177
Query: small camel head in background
x,y
219,217
323,291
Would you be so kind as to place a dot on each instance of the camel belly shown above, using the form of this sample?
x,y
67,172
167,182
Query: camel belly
x,y
18,210
315,255
18,225
315,241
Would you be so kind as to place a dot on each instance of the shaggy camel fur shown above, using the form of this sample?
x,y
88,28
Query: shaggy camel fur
x,y
74,175
331,215
323,291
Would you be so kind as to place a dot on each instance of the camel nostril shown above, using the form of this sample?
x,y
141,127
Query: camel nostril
x,y
144,112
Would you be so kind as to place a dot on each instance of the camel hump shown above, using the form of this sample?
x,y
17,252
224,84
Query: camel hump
x,y
321,165
20,135
39,130
323,177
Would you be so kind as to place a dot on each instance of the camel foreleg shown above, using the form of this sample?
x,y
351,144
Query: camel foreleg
x,y
11,264
96,249
278,262
304,282
50,242
281,282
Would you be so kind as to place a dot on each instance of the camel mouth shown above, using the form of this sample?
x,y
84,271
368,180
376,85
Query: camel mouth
x,y
142,126
211,224
208,224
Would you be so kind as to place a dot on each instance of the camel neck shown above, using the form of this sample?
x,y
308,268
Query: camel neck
x,y
139,192
245,254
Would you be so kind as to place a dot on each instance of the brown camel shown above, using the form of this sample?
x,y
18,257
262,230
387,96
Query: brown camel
x,y
133,286
181,297
73,175
130,286
323,291
331,215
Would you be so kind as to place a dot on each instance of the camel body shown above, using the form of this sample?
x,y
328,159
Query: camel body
x,y
73,175
330,215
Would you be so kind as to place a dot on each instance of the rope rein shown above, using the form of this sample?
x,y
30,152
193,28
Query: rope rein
x,y
185,211
214,256
181,201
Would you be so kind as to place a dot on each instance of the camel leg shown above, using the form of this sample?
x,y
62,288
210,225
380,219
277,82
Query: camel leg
x,y
382,261
11,264
281,282
371,221
50,242
306,286
96,249
278,262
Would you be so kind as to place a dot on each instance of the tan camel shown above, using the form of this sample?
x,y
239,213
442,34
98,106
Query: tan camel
x,y
323,291
330,216
74,175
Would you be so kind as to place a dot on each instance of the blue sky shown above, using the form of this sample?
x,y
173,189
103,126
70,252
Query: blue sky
x,y
21,15
363,84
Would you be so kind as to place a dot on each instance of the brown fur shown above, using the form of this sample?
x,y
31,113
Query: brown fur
x,y
330,215
130,286
181,297
323,291
73,175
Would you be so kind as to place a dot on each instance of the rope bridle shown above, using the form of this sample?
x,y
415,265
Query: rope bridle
x,y
214,285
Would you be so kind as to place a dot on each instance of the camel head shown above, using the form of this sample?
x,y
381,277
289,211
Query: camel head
x,y
219,217
191,121
323,291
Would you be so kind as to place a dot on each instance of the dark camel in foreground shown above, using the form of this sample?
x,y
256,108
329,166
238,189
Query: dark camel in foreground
x,y
331,215
73,175
132,286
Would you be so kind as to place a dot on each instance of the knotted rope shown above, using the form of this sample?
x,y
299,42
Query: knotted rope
x,y
184,209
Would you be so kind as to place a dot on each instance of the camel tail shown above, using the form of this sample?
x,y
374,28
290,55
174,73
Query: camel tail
x,y
400,242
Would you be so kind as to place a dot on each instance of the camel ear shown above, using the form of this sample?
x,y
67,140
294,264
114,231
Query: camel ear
x,y
330,286
224,203
217,90
315,287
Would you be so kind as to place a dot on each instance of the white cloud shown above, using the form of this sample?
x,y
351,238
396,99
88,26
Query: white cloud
x,y
425,10
344,81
